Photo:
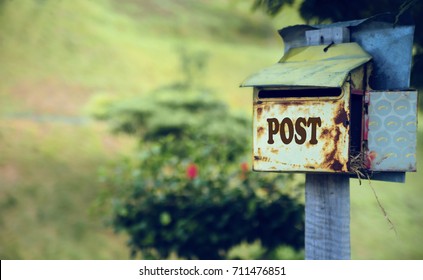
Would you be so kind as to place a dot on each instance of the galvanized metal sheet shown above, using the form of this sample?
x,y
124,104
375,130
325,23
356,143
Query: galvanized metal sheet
x,y
312,66
391,49
386,39
392,129
301,135
397,177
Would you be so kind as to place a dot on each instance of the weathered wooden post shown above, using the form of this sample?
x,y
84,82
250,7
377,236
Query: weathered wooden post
x,y
327,196
327,109
327,217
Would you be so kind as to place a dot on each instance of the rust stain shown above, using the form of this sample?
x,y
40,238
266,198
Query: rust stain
x,y
259,112
330,151
342,116
274,151
337,165
295,103
310,167
283,108
325,134
331,158
261,158
331,136
260,131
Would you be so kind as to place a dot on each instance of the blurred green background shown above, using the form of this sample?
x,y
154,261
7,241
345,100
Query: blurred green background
x,y
60,60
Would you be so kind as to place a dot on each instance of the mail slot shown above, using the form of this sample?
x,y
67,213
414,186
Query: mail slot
x,y
314,111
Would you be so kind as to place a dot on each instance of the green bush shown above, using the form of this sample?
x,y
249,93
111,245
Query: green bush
x,y
188,189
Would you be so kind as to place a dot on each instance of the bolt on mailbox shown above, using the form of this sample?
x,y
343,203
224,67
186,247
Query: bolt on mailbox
x,y
314,111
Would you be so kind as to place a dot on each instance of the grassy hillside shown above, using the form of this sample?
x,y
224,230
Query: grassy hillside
x,y
48,186
58,56
55,57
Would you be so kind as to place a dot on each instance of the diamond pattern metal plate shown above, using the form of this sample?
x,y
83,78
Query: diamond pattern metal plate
x,y
392,130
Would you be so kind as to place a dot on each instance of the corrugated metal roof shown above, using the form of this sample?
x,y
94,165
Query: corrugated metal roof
x,y
311,66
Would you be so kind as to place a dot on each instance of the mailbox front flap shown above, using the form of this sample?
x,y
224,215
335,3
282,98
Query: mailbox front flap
x,y
303,134
392,130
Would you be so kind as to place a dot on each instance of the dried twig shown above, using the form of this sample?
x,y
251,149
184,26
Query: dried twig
x,y
385,214
358,166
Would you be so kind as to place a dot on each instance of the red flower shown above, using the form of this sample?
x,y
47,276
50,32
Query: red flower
x,y
192,171
244,167
244,170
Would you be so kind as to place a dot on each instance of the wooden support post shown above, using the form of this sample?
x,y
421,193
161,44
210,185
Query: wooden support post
x,y
327,209
327,221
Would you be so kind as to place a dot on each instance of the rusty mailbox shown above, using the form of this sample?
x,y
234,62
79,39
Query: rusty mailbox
x,y
314,111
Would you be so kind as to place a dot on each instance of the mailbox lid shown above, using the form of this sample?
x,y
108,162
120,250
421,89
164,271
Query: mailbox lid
x,y
392,130
311,66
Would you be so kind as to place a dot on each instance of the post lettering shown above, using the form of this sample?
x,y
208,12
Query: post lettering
x,y
301,132
273,128
288,130
314,122
283,131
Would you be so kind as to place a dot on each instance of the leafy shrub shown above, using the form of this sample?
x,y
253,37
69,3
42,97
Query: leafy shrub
x,y
188,188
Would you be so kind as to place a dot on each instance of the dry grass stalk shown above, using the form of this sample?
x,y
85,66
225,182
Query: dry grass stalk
x,y
358,166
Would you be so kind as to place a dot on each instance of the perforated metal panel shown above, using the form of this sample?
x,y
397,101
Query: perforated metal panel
x,y
392,129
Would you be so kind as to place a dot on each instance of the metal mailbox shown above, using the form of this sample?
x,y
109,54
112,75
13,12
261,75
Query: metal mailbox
x,y
314,111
